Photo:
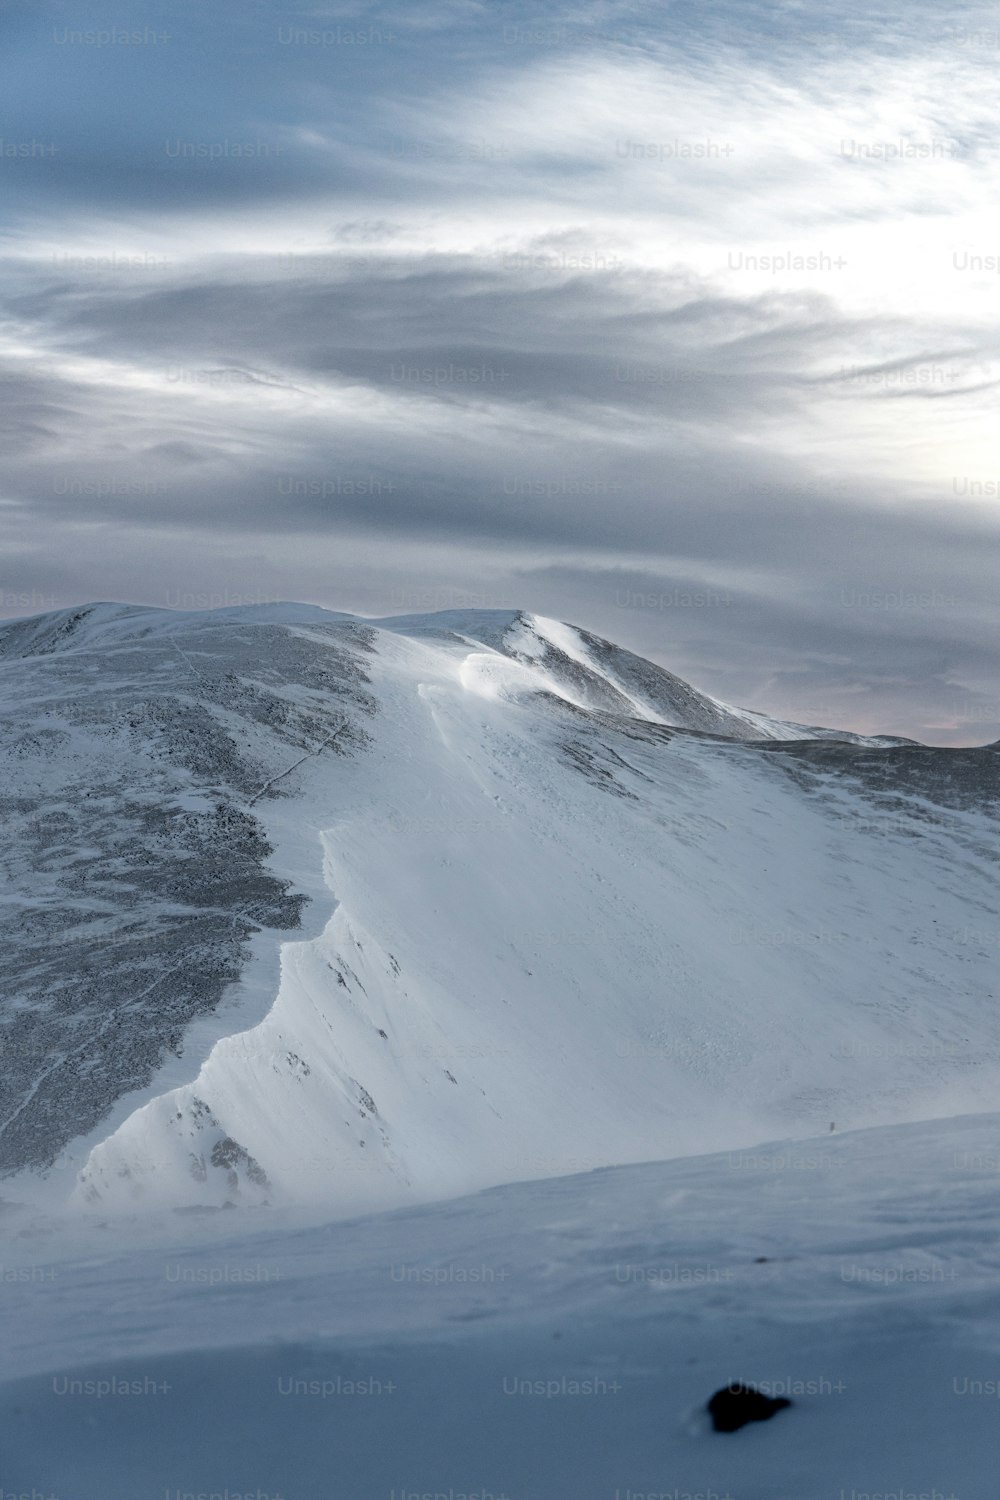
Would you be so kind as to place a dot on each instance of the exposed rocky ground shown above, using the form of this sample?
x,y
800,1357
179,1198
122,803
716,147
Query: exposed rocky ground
x,y
135,864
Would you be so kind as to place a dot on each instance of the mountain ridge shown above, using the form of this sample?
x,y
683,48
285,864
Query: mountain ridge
x,y
650,977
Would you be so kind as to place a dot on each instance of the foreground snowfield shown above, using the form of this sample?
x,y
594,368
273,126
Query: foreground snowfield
x,y
549,1339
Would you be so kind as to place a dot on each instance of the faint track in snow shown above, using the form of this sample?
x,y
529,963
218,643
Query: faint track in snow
x,y
309,755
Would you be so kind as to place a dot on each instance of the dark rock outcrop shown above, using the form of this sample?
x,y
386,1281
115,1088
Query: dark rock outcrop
x,y
737,1404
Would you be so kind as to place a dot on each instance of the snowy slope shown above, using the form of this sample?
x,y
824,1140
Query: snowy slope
x,y
540,1340
368,912
595,674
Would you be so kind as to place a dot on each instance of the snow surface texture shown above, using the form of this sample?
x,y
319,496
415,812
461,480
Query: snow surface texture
x,y
563,912
537,1341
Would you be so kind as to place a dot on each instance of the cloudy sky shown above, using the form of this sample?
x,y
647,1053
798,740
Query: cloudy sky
x,y
680,321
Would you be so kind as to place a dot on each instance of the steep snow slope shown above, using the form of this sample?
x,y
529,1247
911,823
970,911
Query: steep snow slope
x,y
564,912
536,1341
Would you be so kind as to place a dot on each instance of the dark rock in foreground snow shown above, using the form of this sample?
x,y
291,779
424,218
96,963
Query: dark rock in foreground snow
x,y
736,1405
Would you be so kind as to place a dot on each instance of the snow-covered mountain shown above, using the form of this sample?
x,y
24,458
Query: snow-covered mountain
x,y
304,908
